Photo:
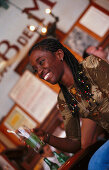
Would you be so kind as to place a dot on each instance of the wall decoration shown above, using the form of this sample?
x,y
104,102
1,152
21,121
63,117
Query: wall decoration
x,y
17,118
78,40
96,21
33,96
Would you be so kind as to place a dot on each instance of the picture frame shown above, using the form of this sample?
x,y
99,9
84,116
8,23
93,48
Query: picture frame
x,y
31,94
78,40
18,118
100,24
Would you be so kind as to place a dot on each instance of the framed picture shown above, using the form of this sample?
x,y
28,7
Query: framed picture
x,y
78,40
36,98
17,118
96,21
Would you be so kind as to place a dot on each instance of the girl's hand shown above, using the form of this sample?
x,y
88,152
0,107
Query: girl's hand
x,y
44,136
39,132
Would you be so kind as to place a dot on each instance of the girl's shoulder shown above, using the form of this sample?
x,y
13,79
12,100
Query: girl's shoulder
x,y
91,61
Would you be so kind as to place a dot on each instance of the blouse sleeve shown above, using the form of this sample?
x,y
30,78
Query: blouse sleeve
x,y
98,71
71,124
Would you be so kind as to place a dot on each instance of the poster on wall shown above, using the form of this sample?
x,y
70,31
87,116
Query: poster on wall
x,y
78,40
96,21
18,118
36,98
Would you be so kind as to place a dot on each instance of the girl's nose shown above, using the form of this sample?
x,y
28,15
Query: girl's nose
x,y
40,69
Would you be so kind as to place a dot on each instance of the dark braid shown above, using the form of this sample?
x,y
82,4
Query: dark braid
x,y
49,44
79,77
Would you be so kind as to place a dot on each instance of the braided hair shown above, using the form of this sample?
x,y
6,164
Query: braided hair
x,y
52,45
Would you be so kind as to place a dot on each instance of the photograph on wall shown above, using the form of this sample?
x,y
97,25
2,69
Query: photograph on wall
x,y
31,94
18,118
78,40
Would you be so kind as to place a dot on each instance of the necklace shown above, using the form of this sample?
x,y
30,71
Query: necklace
x,y
74,96
77,97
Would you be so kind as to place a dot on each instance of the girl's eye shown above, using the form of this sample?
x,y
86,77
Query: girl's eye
x,y
41,62
34,70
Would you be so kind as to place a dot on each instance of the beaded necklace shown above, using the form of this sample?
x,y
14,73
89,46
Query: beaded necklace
x,y
77,96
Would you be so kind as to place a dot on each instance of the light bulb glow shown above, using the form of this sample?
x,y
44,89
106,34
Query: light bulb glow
x,y
47,11
44,30
32,28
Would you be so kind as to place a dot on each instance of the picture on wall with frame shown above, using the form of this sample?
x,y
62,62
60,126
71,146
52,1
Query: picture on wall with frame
x,y
78,40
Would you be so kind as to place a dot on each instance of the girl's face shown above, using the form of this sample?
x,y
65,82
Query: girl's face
x,y
47,65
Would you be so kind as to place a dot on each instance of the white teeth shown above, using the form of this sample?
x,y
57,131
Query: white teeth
x,y
46,76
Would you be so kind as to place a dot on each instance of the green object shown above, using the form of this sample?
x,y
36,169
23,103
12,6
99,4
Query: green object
x,y
60,159
34,142
4,4
65,157
52,165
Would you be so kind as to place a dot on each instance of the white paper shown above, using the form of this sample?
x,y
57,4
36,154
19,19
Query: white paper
x,y
96,21
34,96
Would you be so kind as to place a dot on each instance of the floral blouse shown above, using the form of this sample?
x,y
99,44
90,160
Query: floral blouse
x,y
97,71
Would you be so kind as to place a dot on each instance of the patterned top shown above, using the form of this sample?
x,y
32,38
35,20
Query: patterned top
x,y
97,71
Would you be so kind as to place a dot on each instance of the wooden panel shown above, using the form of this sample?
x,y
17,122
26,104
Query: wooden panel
x,y
101,4
6,164
2,147
81,159
7,142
